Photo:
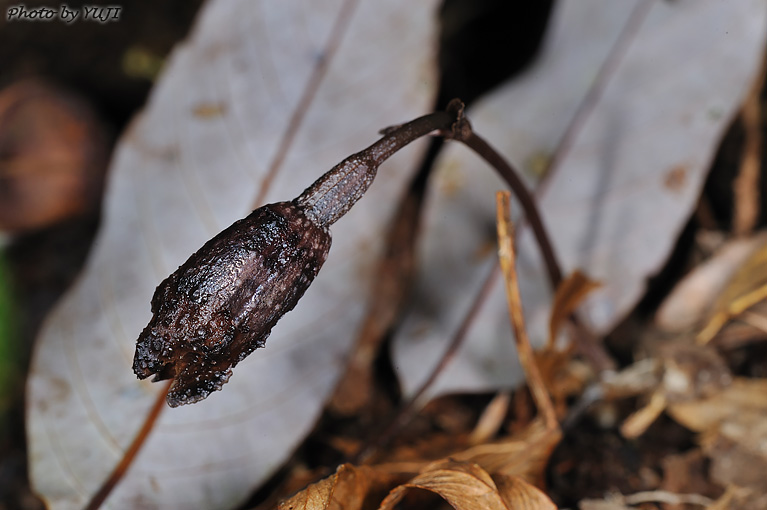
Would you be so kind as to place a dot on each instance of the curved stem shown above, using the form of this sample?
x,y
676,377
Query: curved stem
x,y
511,176
332,195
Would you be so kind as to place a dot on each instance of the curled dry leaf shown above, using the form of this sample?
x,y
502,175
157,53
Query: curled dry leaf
x,y
464,485
520,495
561,376
347,488
281,108
570,294
525,454
467,486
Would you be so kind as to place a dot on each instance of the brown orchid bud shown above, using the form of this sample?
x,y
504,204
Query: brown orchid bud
x,y
223,302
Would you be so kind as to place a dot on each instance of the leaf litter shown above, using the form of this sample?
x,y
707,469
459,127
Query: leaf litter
x,y
498,474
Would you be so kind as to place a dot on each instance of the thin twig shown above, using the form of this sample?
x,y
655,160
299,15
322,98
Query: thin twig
x,y
746,186
507,256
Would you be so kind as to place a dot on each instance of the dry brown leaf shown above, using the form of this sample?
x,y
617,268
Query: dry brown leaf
x,y
732,463
639,421
621,502
743,398
570,294
690,372
520,495
561,376
687,473
733,431
739,498
315,496
466,486
524,454
346,489
491,419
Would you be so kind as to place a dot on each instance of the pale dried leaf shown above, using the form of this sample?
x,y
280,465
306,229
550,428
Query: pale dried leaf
x,y
734,463
315,497
742,399
346,489
621,194
525,454
570,294
603,504
621,502
464,485
636,379
491,419
193,162
747,287
738,498
734,432
520,495
639,421
694,296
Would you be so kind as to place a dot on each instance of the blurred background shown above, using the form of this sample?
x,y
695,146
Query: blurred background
x,y
67,92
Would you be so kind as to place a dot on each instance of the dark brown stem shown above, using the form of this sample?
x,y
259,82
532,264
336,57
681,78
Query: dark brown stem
x,y
333,194
511,176
461,131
